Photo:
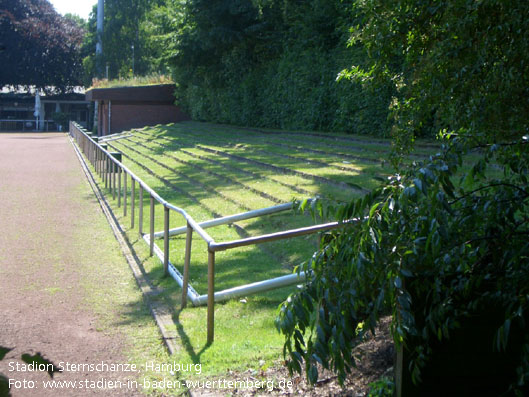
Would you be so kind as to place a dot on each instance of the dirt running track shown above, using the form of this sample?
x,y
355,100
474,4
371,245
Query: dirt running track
x,y
47,217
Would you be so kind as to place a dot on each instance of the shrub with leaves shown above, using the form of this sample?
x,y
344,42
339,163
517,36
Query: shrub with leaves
x,y
436,244
460,243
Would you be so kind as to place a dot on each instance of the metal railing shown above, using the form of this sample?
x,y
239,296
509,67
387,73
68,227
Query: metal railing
x,y
107,165
28,125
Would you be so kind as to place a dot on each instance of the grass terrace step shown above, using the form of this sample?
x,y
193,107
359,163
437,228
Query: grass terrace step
x,y
215,170
212,171
204,167
299,185
213,202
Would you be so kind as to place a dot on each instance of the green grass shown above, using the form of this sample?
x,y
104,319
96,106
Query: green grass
x,y
109,289
153,79
212,170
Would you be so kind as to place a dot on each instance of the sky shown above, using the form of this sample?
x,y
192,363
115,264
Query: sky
x,y
79,7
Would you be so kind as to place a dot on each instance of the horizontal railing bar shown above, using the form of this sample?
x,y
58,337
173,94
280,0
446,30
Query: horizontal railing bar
x,y
196,227
128,171
105,140
260,286
224,295
274,236
112,135
230,218
249,289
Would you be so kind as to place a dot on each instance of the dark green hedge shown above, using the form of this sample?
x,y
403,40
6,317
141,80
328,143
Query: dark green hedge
x,y
277,70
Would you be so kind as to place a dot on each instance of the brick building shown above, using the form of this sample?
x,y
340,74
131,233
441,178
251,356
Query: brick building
x,y
123,108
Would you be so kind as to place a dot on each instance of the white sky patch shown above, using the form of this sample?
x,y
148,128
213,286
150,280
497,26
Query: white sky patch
x,y
79,7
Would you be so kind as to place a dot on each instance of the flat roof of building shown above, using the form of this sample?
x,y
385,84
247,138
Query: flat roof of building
x,y
161,93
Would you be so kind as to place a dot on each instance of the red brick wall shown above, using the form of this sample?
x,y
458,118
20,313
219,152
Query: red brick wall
x,y
125,116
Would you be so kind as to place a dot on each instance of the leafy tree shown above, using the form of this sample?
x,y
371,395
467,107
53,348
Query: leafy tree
x,y
272,63
434,246
126,44
210,31
80,22
162,31
41,47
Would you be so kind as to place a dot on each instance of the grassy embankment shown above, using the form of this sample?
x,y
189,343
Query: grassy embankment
x,y
213,171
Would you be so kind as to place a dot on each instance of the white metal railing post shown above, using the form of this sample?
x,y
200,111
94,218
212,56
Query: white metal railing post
x,y
107,171
165,240
124,194
113,179
109,174
91,150
94,152
140,209
99,157
151,232
96,160
119,185
132,200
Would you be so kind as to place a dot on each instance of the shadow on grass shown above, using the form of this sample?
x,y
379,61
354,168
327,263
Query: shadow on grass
x,y
188,135
186,341
235,267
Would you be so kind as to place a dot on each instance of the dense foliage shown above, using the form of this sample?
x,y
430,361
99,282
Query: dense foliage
x,y
127,46
41,48
248,62
435,245
268,63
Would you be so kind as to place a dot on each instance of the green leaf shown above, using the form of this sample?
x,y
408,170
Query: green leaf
x,y
4,351
420,185
503,335
312,374
373,209
295,365
304,204
4,386
39,360
317,358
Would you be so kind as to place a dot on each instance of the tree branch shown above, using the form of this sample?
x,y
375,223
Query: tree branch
x,y
526,194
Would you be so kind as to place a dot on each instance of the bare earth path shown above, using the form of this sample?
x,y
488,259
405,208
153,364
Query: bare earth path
x,y
49,238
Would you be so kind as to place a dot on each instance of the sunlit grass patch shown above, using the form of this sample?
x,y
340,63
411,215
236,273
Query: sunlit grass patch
x,y
213,171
